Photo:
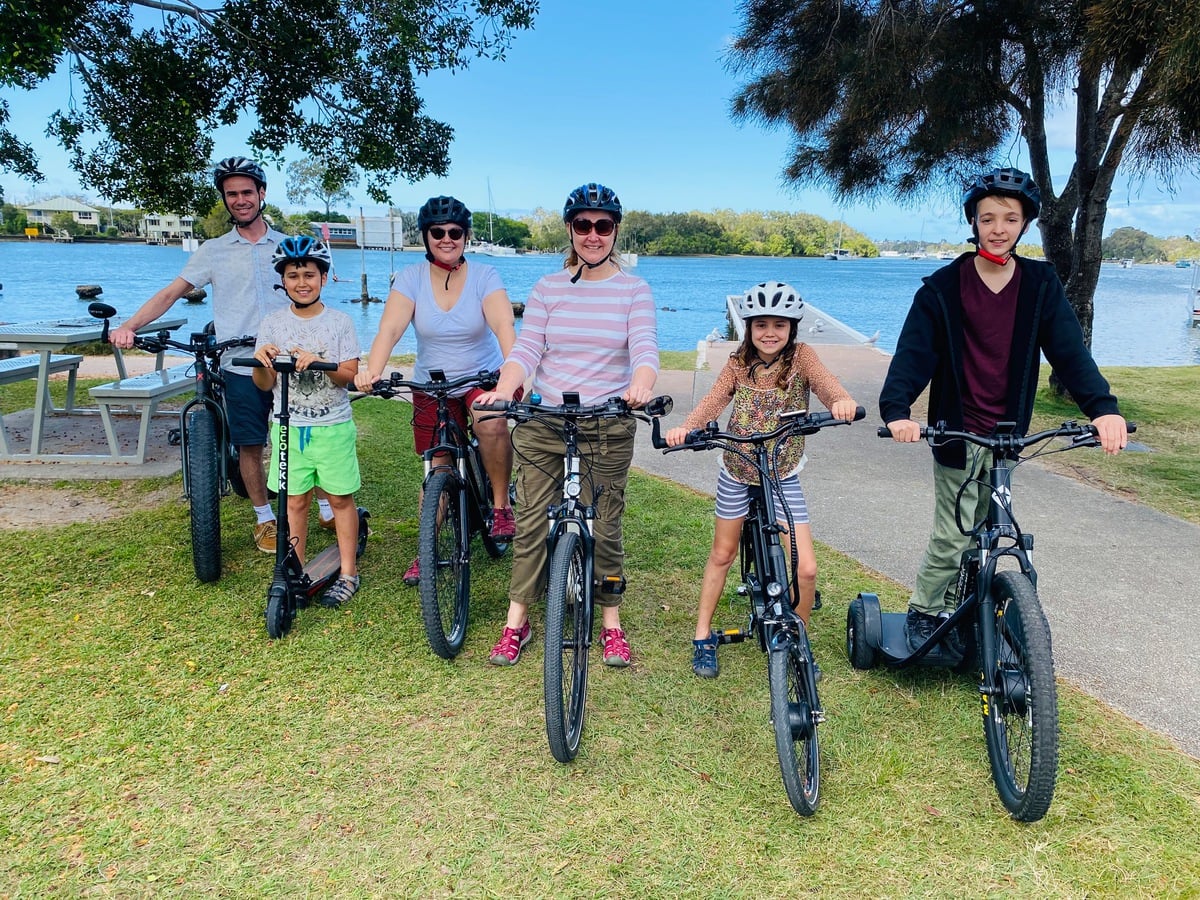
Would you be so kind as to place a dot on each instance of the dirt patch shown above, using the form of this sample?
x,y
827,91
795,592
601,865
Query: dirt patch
x,y
24,506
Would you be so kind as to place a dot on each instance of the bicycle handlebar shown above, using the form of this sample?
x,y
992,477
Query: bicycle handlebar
x,y
798,421
1081,435
613,407
162,340
389,387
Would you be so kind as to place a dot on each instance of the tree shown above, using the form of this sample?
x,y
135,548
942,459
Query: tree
x,y
310,178
905,97
153,79
499,230
1132,243
64,223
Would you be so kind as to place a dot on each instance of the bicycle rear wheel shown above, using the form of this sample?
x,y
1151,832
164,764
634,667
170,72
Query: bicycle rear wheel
x,y
568,634
793,714
204,502
1020,701
443,551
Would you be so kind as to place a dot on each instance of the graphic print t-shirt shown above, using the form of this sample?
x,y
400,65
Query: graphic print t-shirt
x,y
313,398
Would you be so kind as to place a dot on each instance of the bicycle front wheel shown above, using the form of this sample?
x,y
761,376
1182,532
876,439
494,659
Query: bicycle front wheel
x,y
204,490
1020,701
794,716
443,552
568,634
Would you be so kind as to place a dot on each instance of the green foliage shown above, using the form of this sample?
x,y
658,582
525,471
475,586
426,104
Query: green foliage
x,y
15,220
64,223
318,216
906,99
719,233
335,79
1132,243
311,178
498,230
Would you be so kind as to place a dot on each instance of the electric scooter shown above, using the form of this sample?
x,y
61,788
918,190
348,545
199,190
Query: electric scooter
x,y
294,585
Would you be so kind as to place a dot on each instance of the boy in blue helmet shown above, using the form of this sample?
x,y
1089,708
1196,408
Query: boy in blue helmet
x,y
975,335
322,451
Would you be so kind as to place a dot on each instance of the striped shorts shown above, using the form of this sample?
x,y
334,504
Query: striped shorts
x,y
733,499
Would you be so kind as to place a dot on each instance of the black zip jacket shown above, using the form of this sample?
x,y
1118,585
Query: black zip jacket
x,y
930,351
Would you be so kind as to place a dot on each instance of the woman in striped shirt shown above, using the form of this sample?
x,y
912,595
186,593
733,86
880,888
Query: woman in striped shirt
x,y
589,328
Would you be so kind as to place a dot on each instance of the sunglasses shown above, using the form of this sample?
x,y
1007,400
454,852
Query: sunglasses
x,y
604,227
438,233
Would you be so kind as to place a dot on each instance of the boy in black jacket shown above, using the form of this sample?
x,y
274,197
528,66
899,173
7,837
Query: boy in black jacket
x,y
975,335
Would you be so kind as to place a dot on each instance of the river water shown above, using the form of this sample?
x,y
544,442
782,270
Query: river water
x,y
1143,314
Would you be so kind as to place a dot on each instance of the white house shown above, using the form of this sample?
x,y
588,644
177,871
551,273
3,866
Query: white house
x,y
162,227
41,212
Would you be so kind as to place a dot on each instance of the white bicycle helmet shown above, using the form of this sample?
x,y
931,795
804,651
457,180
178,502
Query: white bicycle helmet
x,y
771,298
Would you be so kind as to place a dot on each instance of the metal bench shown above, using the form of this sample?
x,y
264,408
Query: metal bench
x,y
142,392
21,368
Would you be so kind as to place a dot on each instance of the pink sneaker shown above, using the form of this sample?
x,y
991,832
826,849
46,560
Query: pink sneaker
x,y
508,650
616,647
413,576
504,525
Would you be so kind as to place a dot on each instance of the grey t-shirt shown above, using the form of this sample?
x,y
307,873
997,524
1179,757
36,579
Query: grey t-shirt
x,y
313,398
458,341
243,283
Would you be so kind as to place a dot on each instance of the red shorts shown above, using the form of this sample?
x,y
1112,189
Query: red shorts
x,y
425,414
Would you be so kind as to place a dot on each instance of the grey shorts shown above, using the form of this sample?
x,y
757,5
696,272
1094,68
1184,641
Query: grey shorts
x,y
733,499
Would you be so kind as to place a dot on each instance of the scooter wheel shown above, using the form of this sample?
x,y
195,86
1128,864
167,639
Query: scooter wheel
x,y
279,611
860,653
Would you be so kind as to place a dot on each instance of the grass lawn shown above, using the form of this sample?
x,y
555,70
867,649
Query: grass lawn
x,y
155,742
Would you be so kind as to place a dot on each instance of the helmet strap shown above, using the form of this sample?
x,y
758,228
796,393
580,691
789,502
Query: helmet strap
x,y
993,258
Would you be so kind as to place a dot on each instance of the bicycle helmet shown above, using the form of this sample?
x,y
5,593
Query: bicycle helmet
x,y
238,165
592,196
771,298
1005,183
302,248
443,210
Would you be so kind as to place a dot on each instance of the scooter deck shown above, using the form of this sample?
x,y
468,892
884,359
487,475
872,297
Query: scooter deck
x,y
893,645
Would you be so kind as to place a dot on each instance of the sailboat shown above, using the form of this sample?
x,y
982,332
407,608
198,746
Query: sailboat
x,y
490,247
839,252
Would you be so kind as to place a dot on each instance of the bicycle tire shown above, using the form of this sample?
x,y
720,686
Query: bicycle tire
x,y
443,551
568,634
279,612
1020,723
205,490
795,727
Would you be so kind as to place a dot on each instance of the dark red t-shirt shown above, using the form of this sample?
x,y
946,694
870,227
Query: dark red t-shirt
x,y
988,321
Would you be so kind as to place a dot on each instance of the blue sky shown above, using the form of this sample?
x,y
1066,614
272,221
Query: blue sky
x,y
635,95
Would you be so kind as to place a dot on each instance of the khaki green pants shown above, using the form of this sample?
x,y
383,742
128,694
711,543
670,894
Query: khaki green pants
x,y
938,575
606,450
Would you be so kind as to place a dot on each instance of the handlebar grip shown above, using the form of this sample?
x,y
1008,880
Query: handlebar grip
x,y
248,361
494,406
860,413
656,438
285,362
883,431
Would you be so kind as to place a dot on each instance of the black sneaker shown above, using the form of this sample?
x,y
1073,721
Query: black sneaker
x,y
952,642
704,657
918,628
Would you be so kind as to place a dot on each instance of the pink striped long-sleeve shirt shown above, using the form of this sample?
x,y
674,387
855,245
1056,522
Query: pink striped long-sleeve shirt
x,y
587,337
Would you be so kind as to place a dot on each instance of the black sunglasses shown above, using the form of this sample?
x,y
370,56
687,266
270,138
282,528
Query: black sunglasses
x,y
604,227
438,233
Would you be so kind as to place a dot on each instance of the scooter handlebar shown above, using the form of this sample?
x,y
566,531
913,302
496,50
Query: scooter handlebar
x,y
284,363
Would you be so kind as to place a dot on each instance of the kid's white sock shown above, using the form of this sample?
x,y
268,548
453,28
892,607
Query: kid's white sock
x,y
326,509
264,513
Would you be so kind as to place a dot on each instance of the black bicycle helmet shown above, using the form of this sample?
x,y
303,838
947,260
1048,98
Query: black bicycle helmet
x,y
301,248
441,211
239,165
771,298
592,196
1006,183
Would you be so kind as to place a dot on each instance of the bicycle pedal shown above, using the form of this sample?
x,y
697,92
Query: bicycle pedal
x,y
731,636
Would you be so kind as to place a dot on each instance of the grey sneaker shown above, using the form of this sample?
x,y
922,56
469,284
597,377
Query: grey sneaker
x,y
340,591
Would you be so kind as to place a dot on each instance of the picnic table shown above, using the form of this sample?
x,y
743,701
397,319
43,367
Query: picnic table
x,y
48,337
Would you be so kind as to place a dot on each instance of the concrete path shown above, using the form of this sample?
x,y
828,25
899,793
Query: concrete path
x,y
1117,580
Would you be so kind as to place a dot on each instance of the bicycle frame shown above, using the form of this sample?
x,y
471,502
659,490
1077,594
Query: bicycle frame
x,y
210,392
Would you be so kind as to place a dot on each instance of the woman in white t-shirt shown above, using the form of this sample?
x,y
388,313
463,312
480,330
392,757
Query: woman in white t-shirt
x,y
463,320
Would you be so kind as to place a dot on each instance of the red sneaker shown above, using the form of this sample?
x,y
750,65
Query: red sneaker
x,y
504,525
616,647
508,650
413,576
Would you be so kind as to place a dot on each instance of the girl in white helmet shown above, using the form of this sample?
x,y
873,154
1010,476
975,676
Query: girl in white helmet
x,y
769,374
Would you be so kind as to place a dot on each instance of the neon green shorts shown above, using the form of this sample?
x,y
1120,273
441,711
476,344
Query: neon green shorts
x,y
324,456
